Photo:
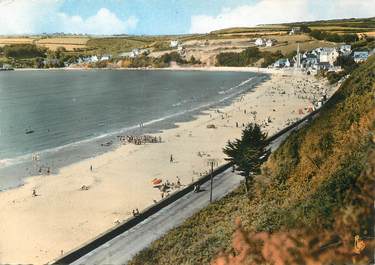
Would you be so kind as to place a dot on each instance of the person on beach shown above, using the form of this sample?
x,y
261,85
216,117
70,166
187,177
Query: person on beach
x,y
171,159
34,193
91,168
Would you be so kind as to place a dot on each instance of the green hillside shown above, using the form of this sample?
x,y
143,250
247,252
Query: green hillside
x,y
319,182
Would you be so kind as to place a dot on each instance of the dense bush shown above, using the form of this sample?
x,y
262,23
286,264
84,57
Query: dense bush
x,y
305,29
333,37
244,58
248,57
269,58
22,51
172,57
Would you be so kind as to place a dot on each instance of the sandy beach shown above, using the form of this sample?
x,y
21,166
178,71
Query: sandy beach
x,y
38,229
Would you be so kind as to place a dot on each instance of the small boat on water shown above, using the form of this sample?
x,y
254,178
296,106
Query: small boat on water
x,y
29,131
107,143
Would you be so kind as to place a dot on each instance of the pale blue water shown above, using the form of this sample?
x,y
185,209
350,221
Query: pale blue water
x,y
72,112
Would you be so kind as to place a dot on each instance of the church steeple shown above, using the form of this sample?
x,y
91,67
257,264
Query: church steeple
x,y
298,58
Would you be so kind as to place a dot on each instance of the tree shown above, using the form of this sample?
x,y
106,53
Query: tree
x,y
305,29
346,62
249,152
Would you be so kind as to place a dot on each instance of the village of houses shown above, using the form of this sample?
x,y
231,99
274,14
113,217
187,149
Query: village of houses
x,y
310,61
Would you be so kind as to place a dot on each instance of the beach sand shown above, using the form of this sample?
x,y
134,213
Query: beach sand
x,y
38,229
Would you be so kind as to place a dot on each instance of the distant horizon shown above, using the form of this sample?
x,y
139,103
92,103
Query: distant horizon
x,y
177,34
173,17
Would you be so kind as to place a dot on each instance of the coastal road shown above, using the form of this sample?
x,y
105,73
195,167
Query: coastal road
x,y
122,248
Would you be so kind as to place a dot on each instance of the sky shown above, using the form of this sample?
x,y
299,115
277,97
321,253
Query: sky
x,y
161,17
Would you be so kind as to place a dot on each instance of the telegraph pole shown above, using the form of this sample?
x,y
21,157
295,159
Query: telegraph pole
x,y
212,179
212,163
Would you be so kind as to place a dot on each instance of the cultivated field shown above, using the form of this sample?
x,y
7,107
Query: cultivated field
x,y
69,43
7,41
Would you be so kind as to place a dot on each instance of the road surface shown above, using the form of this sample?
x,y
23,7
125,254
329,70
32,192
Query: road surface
x,y
122,248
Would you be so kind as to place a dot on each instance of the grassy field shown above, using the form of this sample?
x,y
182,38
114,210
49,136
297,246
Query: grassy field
x,y
69,43
52,43
289,47
16,40
319,181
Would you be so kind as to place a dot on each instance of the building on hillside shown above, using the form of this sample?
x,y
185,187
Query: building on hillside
x,y
360,57
144,52
328,55
174,43
259,42
310,62
105,57
181,50
323,66
281,63
94,59
6,67
295,30
134,53
269,43
346,50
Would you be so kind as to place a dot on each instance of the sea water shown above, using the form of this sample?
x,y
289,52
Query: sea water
x,y
63,116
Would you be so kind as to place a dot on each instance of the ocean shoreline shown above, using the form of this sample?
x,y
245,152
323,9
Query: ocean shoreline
x,y
182,68
20,170
120,179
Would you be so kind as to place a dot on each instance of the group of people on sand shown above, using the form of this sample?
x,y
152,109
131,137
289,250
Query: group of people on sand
x,y
138,140
135,212
166,187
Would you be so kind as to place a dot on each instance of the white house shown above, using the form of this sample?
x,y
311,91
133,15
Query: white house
x,y
174,43
105,58
259,42
345,50
360,57
295,30
7,67
134,53
269,43
181,50
282,63
328,55
93,59
144,52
